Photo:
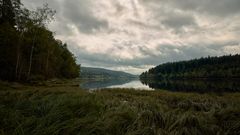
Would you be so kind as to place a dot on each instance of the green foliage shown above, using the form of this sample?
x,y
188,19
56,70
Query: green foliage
x,y
8,11
211,67
28,50
69,110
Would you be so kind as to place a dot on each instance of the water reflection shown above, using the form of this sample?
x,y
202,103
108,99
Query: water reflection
x,y
196,85
136,84
104,83
171,85
114,83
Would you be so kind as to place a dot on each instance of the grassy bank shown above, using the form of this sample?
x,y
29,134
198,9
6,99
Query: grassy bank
x,y
47,110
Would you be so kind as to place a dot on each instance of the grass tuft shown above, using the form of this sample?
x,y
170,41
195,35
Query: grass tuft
x,y
70,110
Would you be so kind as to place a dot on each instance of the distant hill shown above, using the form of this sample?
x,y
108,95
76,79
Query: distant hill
x,y
207,68
100,73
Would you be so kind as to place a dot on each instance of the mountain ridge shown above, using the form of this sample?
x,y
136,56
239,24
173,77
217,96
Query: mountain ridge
x,y
93,73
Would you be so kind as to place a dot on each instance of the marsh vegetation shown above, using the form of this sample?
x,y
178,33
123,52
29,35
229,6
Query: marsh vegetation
x,y
45,110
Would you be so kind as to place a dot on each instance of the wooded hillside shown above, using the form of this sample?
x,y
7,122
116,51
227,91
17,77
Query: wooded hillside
x,y
28,49
210,67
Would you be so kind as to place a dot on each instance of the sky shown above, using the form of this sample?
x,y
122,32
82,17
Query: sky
x,y
135,35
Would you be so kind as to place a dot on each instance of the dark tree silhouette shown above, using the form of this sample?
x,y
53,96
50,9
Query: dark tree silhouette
x,y
210,67
28,50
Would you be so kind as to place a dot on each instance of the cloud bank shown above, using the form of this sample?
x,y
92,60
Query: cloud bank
x,y
134,35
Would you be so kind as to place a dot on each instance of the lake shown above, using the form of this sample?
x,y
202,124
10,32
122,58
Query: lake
x,y
100,84
201,86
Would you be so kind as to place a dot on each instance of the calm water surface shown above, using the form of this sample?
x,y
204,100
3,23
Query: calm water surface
x,y
171,85
100,84
136,84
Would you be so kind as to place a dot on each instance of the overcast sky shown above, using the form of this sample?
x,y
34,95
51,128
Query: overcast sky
x,y
135,35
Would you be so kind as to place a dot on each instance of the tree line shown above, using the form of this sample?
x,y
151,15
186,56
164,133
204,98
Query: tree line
x,y
210,67
28,49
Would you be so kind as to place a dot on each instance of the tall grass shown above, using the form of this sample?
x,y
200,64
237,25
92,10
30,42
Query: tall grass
x,y
70,110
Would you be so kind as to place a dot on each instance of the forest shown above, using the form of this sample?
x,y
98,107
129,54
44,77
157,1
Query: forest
x,y
203,68
28,49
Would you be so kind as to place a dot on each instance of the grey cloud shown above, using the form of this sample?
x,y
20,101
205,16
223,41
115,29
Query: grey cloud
x,y
135,8
74,12
178,21
186,52
169,16
79,13
168,54
162,17
214,7
144,25
119,8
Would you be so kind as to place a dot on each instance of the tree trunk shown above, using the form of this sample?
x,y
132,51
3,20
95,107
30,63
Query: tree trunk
x,y
18,55
30,62
20,72
17,64
31,55
47,63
